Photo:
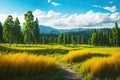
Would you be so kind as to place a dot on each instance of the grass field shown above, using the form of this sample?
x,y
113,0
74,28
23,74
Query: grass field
x,y
42,62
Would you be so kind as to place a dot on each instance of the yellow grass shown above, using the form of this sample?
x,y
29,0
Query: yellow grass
x,y
23,64
76,55
102,67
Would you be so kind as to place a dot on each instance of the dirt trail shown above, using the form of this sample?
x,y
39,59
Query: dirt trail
x,y
68,73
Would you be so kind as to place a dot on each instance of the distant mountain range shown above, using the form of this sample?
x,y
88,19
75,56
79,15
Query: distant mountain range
x,y
49,29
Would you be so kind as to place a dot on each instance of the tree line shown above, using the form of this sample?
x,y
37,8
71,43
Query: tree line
x,y
106,38
11,32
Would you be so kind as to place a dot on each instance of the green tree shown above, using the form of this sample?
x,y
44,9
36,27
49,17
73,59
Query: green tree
x,y
17,31
1,32
60,38
73,39
83,39
94,38
28,27
65,38
36,32
116,35
8,29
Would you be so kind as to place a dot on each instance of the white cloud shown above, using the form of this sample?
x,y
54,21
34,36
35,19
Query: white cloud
x,y
111,2
55,4
59,20
49,1
96,6
111,9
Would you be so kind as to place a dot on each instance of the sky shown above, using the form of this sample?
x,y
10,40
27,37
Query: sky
x,y
65,14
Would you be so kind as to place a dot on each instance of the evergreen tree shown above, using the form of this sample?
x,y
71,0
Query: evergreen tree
x,y
65,38
36,32
83,39
17,31
60,38
94,38
28,27
68,38
110,39
73,39
1,33
8,29
116,35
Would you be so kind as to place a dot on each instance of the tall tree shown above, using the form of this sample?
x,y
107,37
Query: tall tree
x,y
65,38
116,35
8,29
60,38
1,32
36,32
28,27
94,38
17,31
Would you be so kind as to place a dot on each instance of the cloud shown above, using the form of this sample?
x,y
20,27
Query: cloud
x,y
111,2
65,21
96,6
49,1
111,9
55,4
89,19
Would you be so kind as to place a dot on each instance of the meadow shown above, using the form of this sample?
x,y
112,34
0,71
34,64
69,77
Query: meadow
x,y
43,62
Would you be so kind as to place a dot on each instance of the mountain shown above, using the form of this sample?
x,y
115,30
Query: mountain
x,y
74,30
48,29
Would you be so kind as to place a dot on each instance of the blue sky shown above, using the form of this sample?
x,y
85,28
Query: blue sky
x,y
65,10
67,6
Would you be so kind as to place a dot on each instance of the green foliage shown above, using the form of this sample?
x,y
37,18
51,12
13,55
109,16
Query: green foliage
x,y
31,30
8,29
36,32
17,31
1,32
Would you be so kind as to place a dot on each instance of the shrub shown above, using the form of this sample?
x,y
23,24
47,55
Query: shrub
x,y
76,55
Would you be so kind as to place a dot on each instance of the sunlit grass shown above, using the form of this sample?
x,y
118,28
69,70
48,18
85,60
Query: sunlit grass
x,y
103,67
76,55
23,64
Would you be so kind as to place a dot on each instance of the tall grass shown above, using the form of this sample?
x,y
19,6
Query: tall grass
x,y
25,64
76,55
103,67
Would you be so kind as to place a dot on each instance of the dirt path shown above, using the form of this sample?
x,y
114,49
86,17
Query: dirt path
x,y
68,73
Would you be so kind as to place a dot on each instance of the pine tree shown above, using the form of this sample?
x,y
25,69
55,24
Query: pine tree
x,y
8,29
68,38
1,33
94,38
83,39
65,38
28,27
73,39
17,31
116,33
36,32
110,39
60,38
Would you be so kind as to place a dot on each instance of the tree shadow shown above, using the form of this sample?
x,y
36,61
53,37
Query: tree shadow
x,y
38,51
91,56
